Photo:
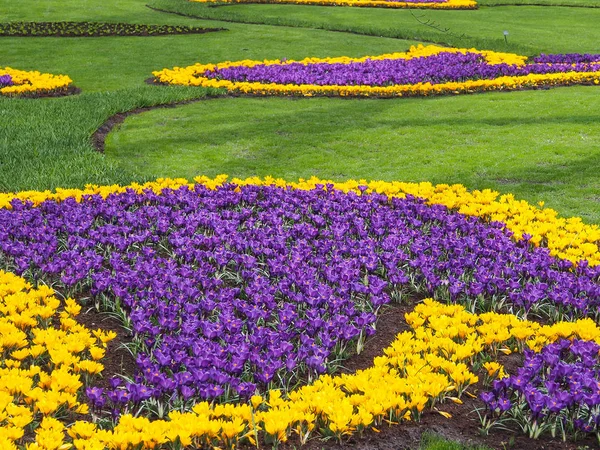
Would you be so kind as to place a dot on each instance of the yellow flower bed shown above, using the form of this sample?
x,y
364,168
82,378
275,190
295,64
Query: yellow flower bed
x,y
567,238
33,82
45,353
450,4
421,367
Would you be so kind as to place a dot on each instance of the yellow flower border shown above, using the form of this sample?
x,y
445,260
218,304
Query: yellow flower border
x,y
33,82
192,76
450,4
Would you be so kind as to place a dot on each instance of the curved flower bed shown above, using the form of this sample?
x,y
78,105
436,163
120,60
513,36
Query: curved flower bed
x,y
427,365
243,288
19,82
420,4
421,71
238,289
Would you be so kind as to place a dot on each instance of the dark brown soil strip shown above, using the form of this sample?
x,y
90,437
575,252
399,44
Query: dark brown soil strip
x,y
117,360
390,323
99,136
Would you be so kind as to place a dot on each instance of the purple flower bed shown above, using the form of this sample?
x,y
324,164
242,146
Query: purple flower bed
x,y
232,289
556,389
5,80
440,68
568,58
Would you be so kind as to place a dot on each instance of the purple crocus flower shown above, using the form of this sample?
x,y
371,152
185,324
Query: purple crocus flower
x,y
95,396
6,80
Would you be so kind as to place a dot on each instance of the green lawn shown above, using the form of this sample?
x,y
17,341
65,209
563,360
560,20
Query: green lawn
x,y
122,63
46,142
433,441
132,11
537,144
532,29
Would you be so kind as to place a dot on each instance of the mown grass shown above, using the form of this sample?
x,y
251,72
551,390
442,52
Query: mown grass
x,y
434,441
540,145
119,63
46,142
132,11
532,30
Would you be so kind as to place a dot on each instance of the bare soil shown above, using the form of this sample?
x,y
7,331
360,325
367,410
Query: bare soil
x,y
118,360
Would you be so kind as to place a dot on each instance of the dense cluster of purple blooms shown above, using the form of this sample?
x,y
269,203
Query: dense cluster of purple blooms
x,y
231,289
568,58
6,80
556,388
435,69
